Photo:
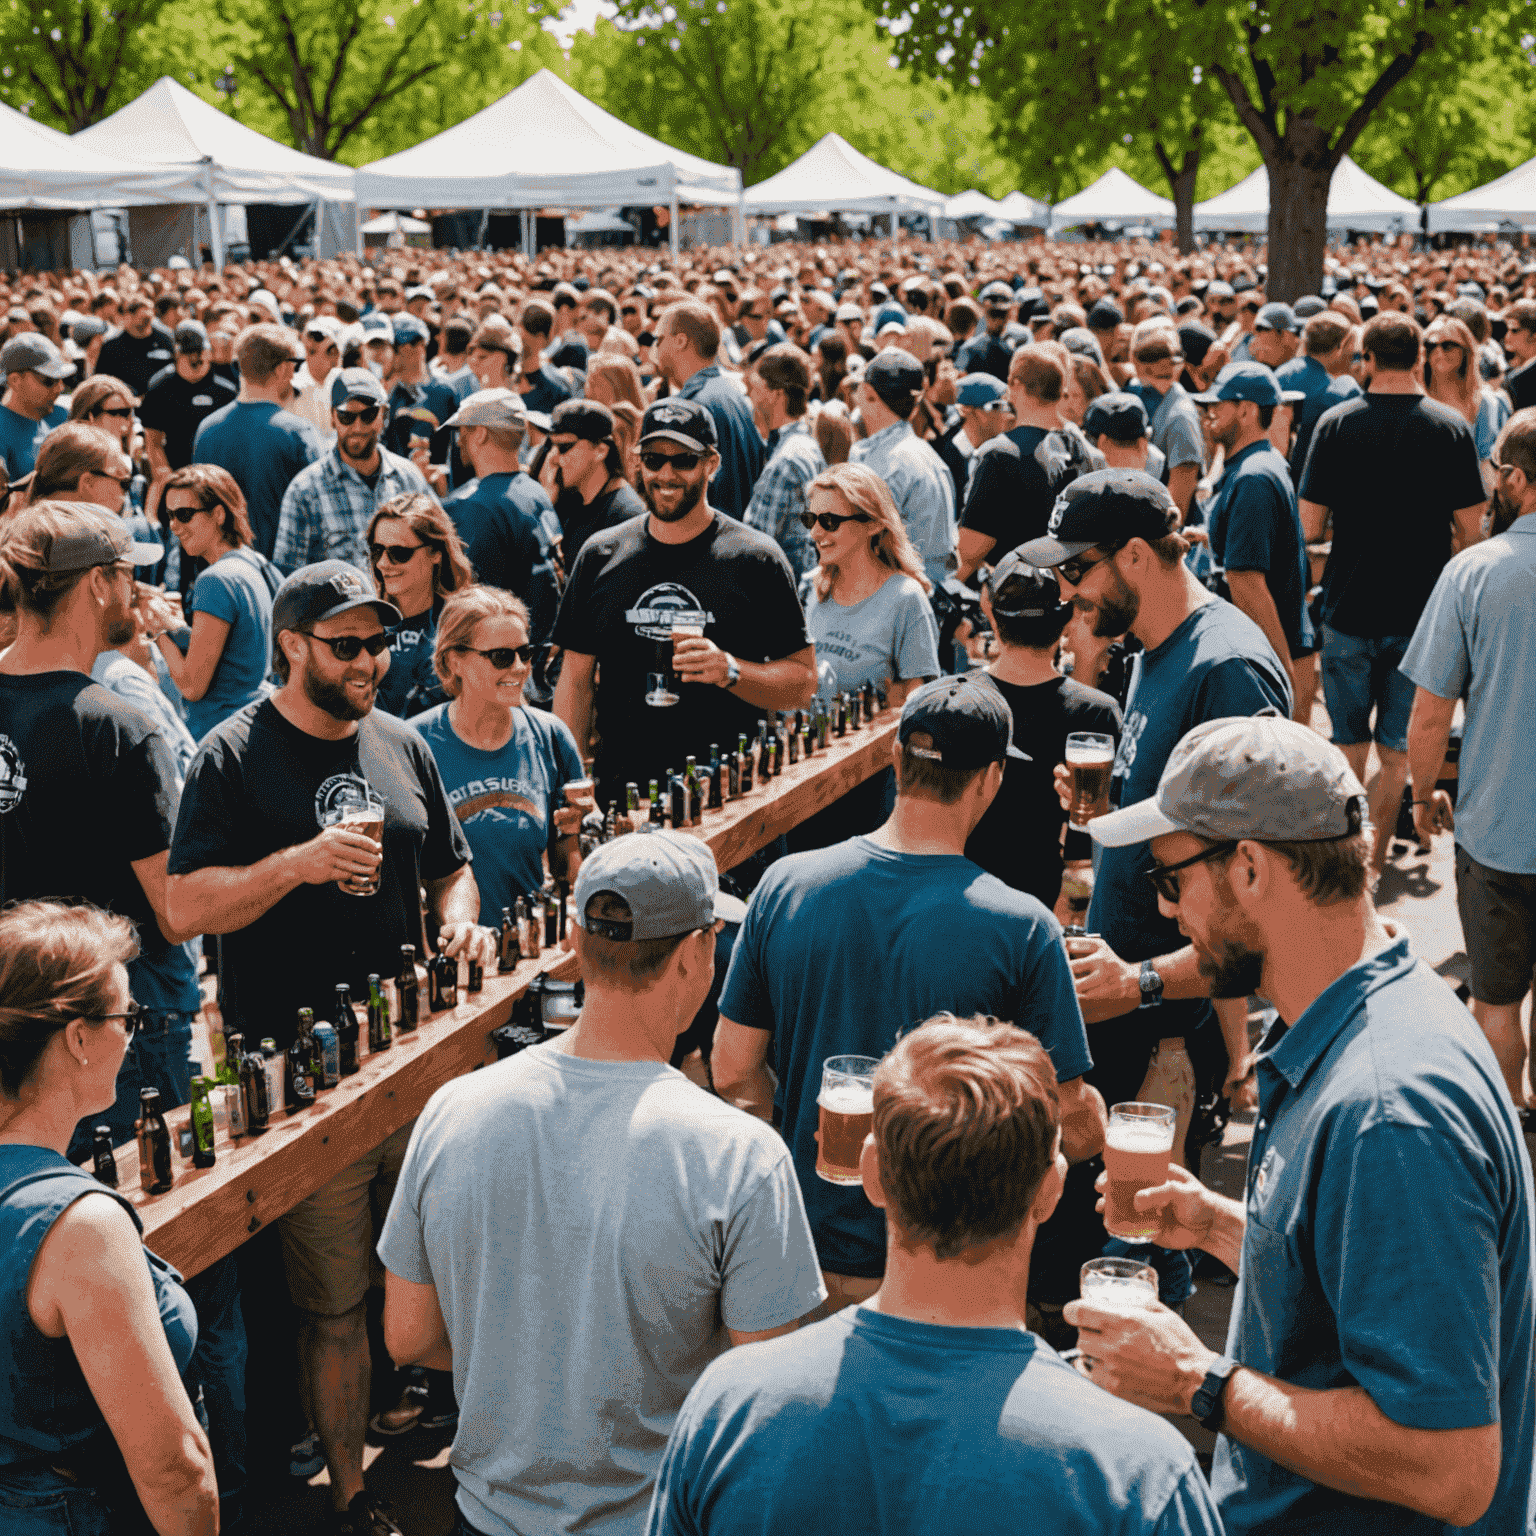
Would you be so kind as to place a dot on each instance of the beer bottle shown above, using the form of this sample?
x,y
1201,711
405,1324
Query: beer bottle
x,y
154,1144
506,944
253,1085
743,765
781,732
720,787
272,1065
474,977
527,933
406,995
733,772
442,983
631,798
611,822
101,1156
840,716
561,892
298,1080
871,701
378,1015
345,1020
328,1044
229,1068
656,813
695,786
793,744
823,726
202,1124
763,775
855,700
807,737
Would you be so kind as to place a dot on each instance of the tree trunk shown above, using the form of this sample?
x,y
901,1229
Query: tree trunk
x,y
1300,171
1184,201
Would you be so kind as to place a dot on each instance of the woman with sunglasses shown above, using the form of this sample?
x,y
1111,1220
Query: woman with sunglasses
x,y
228,649
1453,377
417,559
502,761
97,1431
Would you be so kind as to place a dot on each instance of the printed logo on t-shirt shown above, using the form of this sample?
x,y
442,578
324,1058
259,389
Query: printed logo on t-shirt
x,y
664,605
481,795
13,776
339,794
158,354
202,399
1130,734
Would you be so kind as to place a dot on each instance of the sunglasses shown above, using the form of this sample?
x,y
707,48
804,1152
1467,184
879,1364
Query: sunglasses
x,y
832,521
629,311
1443,346
1078,566
186,514
368,415
122,480
564,445
396,554
683,463
132,1016
1165,877
350,647
123,412
502,656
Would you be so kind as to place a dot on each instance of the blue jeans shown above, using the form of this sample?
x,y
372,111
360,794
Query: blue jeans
x,y
1358,673
218,1367
40,1502
159,1056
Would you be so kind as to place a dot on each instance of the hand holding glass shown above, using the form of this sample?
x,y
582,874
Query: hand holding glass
x,y
363,814
846,1106
1090,761
1137,1149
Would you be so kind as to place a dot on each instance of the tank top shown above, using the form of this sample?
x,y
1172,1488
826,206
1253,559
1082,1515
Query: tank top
x,y
46,1408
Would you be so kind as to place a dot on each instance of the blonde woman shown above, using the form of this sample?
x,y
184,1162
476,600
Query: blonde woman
x,y
1452,376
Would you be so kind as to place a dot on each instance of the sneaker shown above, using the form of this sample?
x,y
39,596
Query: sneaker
x,y
367,1515
305,1458
445,1422
404,1416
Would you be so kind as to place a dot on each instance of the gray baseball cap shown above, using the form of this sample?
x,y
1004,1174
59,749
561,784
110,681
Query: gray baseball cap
x,y
667,879
490,408
1251,776
98,538
32,352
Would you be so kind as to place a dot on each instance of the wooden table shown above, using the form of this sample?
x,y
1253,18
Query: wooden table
x,y
209,1212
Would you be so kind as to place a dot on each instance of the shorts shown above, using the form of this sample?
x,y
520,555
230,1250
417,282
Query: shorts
x,y
1359,674
1498,925
1170,1081
328,1239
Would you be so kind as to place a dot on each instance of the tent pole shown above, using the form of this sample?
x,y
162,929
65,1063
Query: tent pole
x,y
215,234
672,225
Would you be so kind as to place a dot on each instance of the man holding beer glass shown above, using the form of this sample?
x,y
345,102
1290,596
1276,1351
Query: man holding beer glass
x,y
1379,1359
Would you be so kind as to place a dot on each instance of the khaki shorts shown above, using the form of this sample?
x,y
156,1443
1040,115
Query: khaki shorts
x,y
328,1239
1170,1081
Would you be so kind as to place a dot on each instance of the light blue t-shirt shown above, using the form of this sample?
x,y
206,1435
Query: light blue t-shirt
x,y
21,437
869,1422
889,637
1474,638
505,800
234,590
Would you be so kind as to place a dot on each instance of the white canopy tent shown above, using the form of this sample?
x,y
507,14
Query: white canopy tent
x,y
1355,201
974,205
43,168
833,177
1021,208
395,223
170,127
541,145
1113,199
1511,199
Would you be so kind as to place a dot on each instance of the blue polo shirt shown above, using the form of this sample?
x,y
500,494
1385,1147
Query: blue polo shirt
x,y
1254,526
1388,1243
742,450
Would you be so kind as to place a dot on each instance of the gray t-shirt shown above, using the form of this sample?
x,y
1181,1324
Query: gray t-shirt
x,y
592,1228
890,636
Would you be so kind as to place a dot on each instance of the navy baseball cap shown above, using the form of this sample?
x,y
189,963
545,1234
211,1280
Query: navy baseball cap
x,y
981,389
968,720
894,373
1276,317
408,329
1247,380
1105,316
1103,507
356,384
1120,416
684,422
326,590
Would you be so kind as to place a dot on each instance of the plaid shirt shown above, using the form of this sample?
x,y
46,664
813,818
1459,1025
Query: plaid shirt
x,y
328,506
779,496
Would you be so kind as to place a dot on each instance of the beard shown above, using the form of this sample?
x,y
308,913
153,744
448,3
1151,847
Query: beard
x,y
1117,609
1233,969
121,628
691,497
333,698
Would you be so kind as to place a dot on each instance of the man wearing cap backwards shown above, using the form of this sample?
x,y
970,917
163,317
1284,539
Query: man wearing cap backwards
x,y
1253,525
254,861
261,443
179,399
846,947
987,351
683,1231
34,371
779,387
327,508
1116,424
982,400
1378,1372
682,563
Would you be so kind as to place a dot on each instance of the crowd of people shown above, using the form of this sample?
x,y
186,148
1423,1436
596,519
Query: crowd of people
x,y
426,539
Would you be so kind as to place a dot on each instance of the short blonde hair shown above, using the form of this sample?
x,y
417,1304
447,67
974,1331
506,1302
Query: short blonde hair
x,y
464,612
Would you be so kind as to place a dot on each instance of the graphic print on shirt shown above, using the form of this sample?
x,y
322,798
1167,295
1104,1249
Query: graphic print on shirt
x,y
1130,734
340,793
662,606
480,796
13,776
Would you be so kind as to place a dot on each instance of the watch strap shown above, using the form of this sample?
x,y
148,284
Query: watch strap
x,y
1208,1406
1151,985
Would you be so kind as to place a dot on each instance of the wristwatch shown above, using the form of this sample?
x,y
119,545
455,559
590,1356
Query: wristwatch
x,y
732,671
1206,1405
1151,986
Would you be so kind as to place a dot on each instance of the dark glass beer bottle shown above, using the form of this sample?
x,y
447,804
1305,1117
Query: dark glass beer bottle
x,y
406,996
474,976
442,984
631,798
677,799
793,743
694,783
253,1086
203,1155
345,1020
562,890
527,933
781,732
763,775
154,1144
299,1079
104,1163
823,726
506,943
840,716
656,813
744,765
379,1036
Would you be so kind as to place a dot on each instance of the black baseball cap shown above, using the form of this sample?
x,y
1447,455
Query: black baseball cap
x,y
1119,415
589,420
895,375
968,719
1019,590
1104,507
326,590
684,422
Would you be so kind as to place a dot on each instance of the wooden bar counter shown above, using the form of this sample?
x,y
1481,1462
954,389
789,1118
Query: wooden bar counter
x,y
209,1212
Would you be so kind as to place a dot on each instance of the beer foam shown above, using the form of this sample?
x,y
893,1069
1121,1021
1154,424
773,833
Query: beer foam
x,y
1112,1294
1086,755
1126,1136
850,1099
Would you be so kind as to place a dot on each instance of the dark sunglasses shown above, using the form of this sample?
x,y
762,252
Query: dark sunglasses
x,y
1443,346
502,656
832,521
683,463
132,1016
123,411
1078,566
628,310
350,647
368,415
396,554
123,480
1165,877
186,514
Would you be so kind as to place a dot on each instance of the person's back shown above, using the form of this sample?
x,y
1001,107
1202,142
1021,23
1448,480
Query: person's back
x,y
263,447
742,451
500,518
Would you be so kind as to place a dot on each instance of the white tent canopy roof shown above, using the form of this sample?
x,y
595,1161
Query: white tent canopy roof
x,y
1113,199
169,126
544,144
389,223
1355,201
1021,208
1511,199
43,168
973,205
833,177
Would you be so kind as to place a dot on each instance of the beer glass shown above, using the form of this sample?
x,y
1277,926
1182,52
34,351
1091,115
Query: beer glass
x,y
1137,1148
661,688
1090,760
581,794
847,1111
361,812
1119,1285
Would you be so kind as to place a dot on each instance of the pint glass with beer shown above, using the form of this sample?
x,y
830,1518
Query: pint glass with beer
x,y
359,810
847,1111
1118,1285
1090,761
1137,1148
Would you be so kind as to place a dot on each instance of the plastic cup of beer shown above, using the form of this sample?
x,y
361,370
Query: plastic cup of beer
x,y
580,793
1090,761
1137,1149
846,1105
365,814
684,632
1118,1285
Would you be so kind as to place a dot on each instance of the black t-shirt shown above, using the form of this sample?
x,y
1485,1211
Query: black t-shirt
x,y
1392,469
256,786
579,520
173,406
87,787
626,591
985,353
1521,384
137,359
1015,480
1019,837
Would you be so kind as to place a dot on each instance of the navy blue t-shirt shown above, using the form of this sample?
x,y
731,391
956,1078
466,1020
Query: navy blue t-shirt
x,y
846,948
411,684
742,450
549,389
501,519
263,447
1216,664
